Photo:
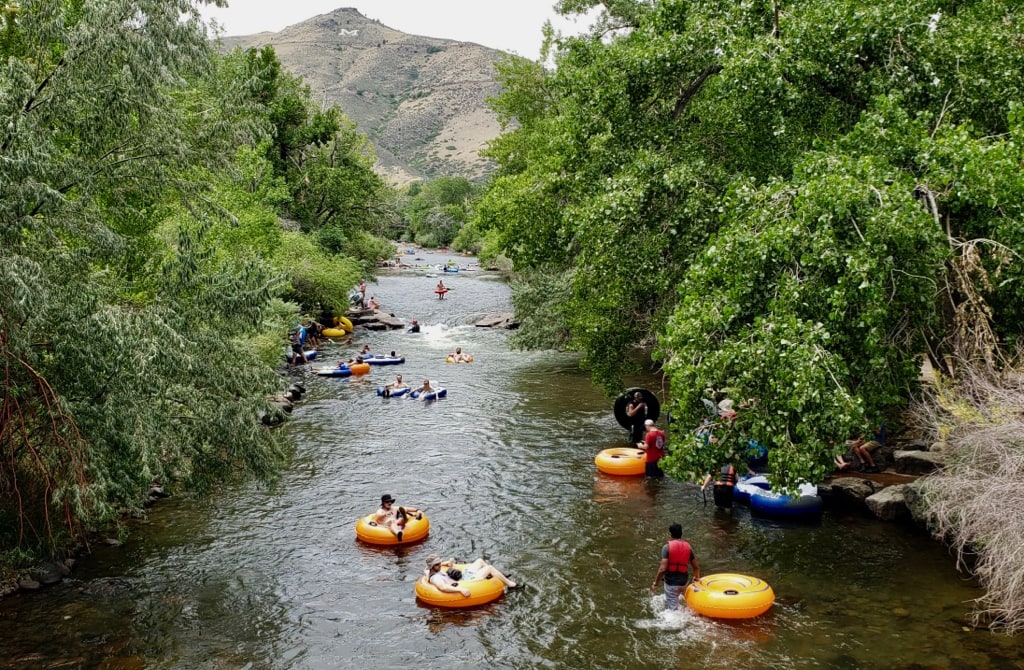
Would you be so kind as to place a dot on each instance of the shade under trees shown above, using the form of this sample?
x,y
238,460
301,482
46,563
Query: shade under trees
x,y
792,203
145,278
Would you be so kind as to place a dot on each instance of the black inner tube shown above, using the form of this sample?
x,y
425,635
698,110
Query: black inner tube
x,y
653,406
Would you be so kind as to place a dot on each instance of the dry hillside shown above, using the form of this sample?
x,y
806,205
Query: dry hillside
x,y
420,100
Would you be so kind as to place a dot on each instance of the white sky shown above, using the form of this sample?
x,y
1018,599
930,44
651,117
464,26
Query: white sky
x,y
509,25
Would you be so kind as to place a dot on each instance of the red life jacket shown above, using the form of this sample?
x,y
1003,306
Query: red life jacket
x,y
678,555
728,476
655,443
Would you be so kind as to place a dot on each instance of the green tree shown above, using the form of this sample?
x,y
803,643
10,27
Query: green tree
x,y
436,211
117,315
787,200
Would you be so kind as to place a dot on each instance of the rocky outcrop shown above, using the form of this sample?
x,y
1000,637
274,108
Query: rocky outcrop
x,y
374,319
506,320
918,462
847,492
890,504
283,403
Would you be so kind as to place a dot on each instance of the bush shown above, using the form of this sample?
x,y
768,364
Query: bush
x,y
313,275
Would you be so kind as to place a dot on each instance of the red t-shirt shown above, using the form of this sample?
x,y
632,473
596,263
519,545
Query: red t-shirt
x,y
654,440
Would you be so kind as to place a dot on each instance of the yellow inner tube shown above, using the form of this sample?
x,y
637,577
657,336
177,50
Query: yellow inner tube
x,y
340,323
481,591
729,596
368,531
335,332
620,461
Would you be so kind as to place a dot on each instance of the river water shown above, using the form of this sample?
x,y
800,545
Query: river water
x,y
274,578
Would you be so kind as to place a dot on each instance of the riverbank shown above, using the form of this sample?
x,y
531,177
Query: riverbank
x,y
504,468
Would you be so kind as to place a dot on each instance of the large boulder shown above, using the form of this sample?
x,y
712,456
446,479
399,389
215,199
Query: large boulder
x,y
890,504
504,320
847,492
914,497
375,319
918,462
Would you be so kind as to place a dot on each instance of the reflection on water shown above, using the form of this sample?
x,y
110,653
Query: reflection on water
x,y
274,578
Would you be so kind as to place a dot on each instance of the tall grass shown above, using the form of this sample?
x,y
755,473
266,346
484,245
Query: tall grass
x,y
976,503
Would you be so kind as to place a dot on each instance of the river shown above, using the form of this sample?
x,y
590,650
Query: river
x,y
256,577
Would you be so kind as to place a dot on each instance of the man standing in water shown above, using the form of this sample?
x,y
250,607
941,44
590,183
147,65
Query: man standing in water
x,y
654,449
675,556
636,410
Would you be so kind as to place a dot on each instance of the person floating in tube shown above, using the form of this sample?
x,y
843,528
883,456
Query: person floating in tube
x,y
394,519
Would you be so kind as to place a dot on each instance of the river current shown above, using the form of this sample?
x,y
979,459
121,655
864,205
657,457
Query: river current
x,y
256,577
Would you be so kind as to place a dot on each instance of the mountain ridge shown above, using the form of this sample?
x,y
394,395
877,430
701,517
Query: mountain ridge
x,y
422,101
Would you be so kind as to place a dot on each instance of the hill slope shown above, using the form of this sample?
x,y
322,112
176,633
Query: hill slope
x,y
420,100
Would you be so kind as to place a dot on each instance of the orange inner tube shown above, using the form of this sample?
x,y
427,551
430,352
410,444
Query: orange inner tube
x,y
621,461
368,531
481,591
729,596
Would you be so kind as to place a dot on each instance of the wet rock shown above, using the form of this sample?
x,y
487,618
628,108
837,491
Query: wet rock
x,y
848,492
28,584
50,573
156,490
375,319
504,320
918,462
915,502
271,419
890,504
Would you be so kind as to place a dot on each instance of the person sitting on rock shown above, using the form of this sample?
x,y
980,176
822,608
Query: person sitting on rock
x,y
860,448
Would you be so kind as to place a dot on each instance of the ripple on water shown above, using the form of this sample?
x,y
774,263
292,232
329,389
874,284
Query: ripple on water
x,y
275,578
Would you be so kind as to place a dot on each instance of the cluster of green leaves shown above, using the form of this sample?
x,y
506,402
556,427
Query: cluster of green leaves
x,y
326,163
773,196
143,264
434,213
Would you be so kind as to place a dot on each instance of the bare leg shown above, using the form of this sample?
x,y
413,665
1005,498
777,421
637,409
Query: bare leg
x,y
482,570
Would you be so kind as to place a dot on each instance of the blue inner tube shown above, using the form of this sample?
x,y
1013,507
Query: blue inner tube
x,y
748,485
383,360
653,406
433,395
310,355
393,394
342,371
770,503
